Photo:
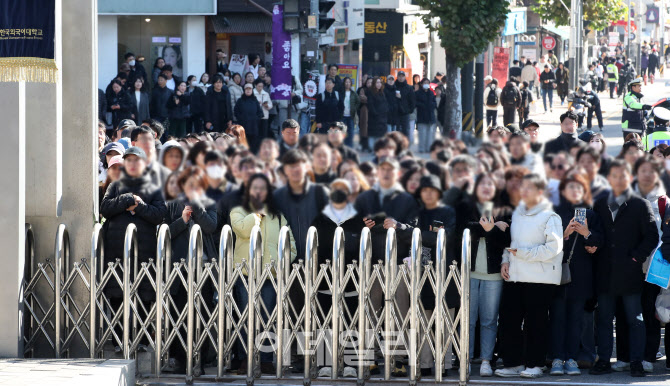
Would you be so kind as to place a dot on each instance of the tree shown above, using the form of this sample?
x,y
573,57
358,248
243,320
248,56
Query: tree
x,y
465,28
599,12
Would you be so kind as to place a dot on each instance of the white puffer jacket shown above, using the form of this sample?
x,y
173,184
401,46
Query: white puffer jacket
x,y
537,234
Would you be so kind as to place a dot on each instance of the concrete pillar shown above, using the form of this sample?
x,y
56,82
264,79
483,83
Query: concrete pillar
x,y
80,152
12,207
193,45
108,56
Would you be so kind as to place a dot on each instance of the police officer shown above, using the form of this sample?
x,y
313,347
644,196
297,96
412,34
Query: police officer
x,y
632,119
612,76
661,133
593,99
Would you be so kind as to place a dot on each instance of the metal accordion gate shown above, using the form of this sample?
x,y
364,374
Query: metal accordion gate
x,y
160,307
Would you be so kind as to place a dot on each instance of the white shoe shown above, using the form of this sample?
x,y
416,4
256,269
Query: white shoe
x,y
621,366
659,355
508,372
531,372
648,367
325,372
349,372
485,369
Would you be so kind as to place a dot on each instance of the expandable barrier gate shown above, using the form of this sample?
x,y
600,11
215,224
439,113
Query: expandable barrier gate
x,y
359,331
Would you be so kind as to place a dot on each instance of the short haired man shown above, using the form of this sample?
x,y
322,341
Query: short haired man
x,y
329,106
143,138
631,236
290,135
567,137
336,134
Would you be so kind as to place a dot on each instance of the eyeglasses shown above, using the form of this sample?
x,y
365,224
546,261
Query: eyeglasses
x,y
559,167
333,131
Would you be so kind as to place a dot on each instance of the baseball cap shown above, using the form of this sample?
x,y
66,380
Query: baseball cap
x,y
248,85
528,123
126,123
389,160
117,159
113,146
341,182
134,150
401,73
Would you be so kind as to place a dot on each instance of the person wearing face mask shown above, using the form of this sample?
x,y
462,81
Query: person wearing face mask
x,y
338,213
215,167
137,70
191,207
425,115
258,209
197,106
249,165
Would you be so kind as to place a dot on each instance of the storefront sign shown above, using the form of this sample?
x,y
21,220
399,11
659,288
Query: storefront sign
x,y
238,64
529,54
174,40
281,57
548,42
341,37
500,64
613,38
27,31
159,39
348,71
156,7
515,23
384,28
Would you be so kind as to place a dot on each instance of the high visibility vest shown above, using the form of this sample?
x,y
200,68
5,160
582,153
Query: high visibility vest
x,y
656,138
632,118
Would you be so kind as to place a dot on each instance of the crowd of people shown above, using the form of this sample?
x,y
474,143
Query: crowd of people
x,y
562,233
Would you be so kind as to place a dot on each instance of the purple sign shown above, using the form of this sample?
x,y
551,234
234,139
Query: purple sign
x,y
281,57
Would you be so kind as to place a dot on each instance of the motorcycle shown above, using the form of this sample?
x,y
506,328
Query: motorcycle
x,y
649,115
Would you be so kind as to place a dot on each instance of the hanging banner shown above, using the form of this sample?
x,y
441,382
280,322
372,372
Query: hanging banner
x,y
348,71
500,65
238,64
27,31
281,57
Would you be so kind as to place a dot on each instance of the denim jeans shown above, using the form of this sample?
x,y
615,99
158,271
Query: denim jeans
x,y
412,126
566,321
305,123
587,351
546,93
351,131
484,304
491,118
269,298
632,305
403,125
426,136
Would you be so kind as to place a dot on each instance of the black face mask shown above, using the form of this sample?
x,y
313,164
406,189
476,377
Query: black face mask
x,y
338,196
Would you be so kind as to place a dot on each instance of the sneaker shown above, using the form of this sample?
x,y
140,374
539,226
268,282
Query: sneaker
x,y
508,372
584,364
648,367
349,372
531,372
325,372
485,369
659,355
621,366
268,368
601,367
636,369
557,367
399,371
571,367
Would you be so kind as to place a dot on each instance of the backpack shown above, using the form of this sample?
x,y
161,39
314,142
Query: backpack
x,y
492,98
323,96
509,96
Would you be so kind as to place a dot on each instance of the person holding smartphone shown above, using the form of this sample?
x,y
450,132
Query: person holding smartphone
x,y
531,268
488,222
582,236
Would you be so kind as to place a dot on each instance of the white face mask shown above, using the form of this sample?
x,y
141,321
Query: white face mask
x,y
226,78
426,86
215,172
596,145
194,83
132,63
667,164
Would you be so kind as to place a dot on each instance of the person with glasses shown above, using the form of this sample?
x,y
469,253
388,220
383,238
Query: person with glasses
x,y
532,128
559,166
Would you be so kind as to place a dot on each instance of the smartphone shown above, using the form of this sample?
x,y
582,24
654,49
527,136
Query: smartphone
x,y
437,225
487,209
580,215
